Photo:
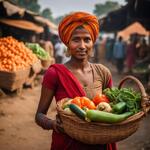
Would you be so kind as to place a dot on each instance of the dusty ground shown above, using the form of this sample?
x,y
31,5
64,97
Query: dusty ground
x,y
18,130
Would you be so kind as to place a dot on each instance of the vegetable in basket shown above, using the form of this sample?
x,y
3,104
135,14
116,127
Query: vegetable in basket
x,y
66,103
67,110
76,101
127,95
119,107
106,117
103,106
86,102
77,110
98,98
83,102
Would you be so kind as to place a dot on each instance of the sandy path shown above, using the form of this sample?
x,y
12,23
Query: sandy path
x,y
18,130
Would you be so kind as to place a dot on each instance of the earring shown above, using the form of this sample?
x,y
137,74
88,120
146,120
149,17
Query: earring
x,y
67,53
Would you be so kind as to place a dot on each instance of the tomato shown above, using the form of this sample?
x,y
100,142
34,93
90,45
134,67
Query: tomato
x,y
100,98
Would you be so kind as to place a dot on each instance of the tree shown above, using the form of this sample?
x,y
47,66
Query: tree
x,y
58,19
46,13
28,4
35,7
108,6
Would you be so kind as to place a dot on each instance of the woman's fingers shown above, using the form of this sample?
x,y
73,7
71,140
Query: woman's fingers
x,y
58,119
57,126
60,128
54,125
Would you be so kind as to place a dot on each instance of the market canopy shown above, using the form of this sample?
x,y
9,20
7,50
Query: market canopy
x,y
23,24
9,10
46,21
114,21
135,28
134,10
53,28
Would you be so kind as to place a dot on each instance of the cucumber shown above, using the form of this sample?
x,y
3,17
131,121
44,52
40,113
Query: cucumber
x,y
119,107
66,103
78,111
101,116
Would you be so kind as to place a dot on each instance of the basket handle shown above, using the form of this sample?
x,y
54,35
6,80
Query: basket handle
x,y
145,102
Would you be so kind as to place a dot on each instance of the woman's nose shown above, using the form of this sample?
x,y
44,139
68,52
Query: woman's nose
x,y
82,44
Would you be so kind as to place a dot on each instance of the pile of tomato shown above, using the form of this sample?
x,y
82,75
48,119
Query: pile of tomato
x,y
90,104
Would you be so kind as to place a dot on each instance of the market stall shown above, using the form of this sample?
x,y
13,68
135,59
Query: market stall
x,y
134,28
12,11
26,27
119,20
134,10
20,29
16,64
22,24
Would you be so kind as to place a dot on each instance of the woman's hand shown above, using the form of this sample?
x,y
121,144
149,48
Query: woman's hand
x,y
57,125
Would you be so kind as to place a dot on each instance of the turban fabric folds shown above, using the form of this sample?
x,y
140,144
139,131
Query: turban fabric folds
x,y
74,20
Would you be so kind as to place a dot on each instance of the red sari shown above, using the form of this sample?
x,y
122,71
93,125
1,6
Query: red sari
x,y
65,81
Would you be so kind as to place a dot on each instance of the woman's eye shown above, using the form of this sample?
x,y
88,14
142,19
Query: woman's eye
x,y
87,40
76,40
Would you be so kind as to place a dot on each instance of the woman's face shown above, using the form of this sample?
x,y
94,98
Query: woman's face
x,y
80,44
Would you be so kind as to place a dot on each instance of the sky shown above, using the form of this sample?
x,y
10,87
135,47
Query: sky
x,y
61,7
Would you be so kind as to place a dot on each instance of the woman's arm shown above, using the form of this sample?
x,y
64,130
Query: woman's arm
x,y
44,103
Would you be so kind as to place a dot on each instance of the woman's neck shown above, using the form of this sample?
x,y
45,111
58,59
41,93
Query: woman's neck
x,y
78,64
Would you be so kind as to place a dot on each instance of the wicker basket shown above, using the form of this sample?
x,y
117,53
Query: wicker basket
x,y
102,133
13,80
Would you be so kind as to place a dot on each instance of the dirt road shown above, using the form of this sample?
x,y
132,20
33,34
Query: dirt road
x,y
18,130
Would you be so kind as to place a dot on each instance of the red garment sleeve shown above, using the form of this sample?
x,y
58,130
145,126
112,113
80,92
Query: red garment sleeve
x,y
50,79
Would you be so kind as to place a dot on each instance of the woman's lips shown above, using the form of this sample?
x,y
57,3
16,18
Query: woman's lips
x,y
82,52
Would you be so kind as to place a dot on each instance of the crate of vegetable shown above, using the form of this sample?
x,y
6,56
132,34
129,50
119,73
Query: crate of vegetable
x,y
42,54
15,63
109,117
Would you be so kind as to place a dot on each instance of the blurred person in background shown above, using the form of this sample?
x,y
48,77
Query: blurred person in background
x,y
143,52
59,51
96,51
109,49
143,60
119,54
130,54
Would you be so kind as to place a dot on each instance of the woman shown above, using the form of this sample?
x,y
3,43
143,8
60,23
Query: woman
x,y
78,31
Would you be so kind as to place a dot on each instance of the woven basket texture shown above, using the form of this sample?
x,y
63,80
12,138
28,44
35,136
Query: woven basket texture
x,y
13,80
102,133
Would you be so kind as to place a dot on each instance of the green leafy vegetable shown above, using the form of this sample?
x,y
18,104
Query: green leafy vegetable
x,y
127,95
38,50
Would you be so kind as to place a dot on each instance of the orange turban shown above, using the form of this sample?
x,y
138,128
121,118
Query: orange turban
x,y
74,20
